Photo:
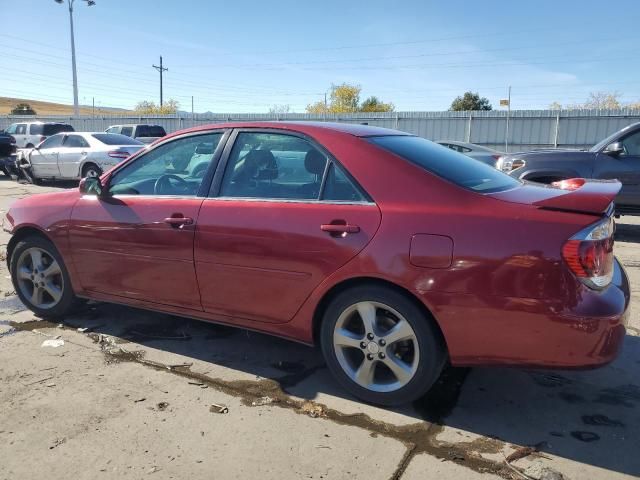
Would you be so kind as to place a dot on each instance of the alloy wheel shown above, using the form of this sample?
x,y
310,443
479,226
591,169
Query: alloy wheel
x,y
376,346
39,278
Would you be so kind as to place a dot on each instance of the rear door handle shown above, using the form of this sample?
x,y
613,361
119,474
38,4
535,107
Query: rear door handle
x,y
337,228
178,221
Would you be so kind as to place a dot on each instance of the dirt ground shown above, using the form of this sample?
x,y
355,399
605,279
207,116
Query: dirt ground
x,y
134,394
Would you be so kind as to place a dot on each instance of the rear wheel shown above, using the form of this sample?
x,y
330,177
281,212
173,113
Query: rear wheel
x,y
40,278
29,145
91,170
381,346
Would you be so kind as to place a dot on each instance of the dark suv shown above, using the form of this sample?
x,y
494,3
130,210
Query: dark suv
x,y
617,156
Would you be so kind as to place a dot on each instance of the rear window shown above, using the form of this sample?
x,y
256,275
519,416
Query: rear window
x,y
150,131
115,139
49,129
444,162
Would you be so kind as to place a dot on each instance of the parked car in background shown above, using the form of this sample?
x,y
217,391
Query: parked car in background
x,y
395,270
7,152
617,156
141,132
70,156
478,152
30,134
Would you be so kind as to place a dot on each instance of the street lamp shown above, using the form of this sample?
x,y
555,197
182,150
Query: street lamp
x,y
90,3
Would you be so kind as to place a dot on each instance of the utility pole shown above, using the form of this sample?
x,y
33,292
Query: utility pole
x,y
90,3
506,135
161,69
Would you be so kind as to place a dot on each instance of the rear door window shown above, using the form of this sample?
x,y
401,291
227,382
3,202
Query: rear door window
x,y
446,163
49,129
150,131
35,129
273,166
128,131
75,141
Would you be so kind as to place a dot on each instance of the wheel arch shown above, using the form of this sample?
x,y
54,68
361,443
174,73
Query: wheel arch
x,y
353,282
84,164
22,233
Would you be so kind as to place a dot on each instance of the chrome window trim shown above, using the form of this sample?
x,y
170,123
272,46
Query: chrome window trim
x,y
291,200
246,199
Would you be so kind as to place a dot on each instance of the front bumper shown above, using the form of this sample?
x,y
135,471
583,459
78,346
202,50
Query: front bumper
x,y
535,332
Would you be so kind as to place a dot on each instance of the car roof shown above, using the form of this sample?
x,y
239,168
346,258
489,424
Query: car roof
x,y
357,130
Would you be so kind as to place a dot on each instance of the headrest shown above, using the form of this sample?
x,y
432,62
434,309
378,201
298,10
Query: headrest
x,y
262,164
315,162
204,148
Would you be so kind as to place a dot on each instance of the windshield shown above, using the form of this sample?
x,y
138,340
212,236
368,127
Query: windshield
x,y
115,139
446,163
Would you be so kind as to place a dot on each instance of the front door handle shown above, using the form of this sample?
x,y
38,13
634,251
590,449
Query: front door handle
x,y
178,221
339,228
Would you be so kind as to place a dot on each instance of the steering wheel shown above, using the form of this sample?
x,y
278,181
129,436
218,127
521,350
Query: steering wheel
x,y
164,185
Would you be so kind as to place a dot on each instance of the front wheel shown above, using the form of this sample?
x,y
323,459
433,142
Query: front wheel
x,y
40,278
90,170
381,346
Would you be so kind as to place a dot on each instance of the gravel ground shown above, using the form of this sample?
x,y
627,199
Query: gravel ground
x,y
133,394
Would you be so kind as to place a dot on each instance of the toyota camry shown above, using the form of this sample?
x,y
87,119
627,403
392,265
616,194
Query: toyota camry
x,y
394,254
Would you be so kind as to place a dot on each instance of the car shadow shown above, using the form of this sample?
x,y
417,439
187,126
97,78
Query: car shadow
x,y
590,417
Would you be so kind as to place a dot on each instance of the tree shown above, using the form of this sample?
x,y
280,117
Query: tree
x,y
279,109
345,98
470,101
23,109
603,100
372,104
146,107
596,101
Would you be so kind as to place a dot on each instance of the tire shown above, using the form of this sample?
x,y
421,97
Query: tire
x,y
29,145
424,353
22,263
91,170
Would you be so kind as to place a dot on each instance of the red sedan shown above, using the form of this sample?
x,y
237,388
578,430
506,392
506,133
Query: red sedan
x,y
393,253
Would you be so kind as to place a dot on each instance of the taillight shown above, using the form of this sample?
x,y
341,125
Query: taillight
x,y
570,184
589,254
122,154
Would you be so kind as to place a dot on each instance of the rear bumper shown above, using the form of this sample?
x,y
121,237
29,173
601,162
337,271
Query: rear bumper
x,y
536,333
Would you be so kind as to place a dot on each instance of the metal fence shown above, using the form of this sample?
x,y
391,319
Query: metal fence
x,y
528,129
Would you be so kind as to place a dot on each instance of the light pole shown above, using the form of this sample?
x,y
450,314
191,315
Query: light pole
x,y
90,3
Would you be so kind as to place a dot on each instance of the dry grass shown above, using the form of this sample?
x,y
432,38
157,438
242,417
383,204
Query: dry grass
x,y
48,108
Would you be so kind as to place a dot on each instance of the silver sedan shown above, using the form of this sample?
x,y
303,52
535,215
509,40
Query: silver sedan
x,y
71,156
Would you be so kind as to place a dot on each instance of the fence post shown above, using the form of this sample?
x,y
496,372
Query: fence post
x,y
469,128
555,136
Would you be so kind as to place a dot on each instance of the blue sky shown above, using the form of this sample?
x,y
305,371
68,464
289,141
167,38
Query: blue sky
x,y
245,56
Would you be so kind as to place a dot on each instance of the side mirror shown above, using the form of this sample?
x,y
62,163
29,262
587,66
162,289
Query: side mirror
x,y
614,149
91,186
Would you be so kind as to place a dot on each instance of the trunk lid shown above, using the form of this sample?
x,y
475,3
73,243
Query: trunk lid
x,y
594,196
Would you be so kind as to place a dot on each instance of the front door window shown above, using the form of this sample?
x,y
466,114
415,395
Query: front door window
x,y
175,168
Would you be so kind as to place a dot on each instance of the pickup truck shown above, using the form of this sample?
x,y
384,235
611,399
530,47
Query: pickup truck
x,y
141,132
617,156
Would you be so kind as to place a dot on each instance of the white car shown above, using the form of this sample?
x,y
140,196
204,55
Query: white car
x,y
71,156
30,134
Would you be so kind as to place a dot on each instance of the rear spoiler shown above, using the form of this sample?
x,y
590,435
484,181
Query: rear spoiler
x,y
584,196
